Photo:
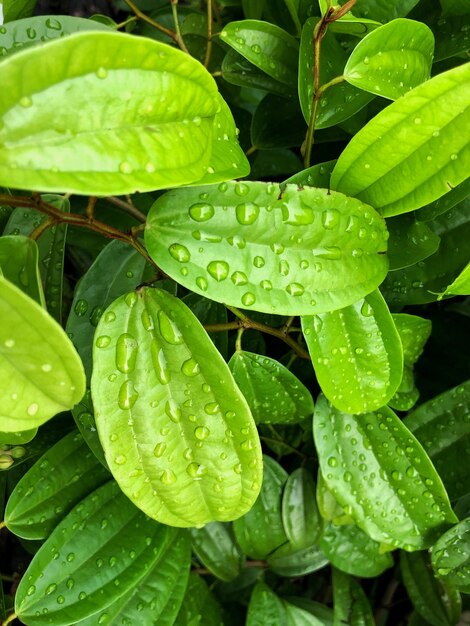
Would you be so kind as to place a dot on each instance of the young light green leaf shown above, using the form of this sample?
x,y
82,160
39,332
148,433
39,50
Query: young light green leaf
x,y
116,270
300,515
451,556
381,475
32,31
246,244
392,59
239,71
265,608
349,549
40,372
424,133
460,286
157,598
439,604
414,331
106,529
268,47
273,393
19,264
338,102
410,241
216,548
260,531
145,145
350,602
349,24
199,458
442,425
356,353
329,508
199,608
64,475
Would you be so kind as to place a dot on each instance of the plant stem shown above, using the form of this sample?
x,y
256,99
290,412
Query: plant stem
x,y
127,207
179,38
283,444
238,341
334,81
9,619
2,524
129,20
37,232
207,58
251,150
149,20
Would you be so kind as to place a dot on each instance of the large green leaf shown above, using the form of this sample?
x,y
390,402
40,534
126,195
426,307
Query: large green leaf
x,y
64,475
265,608
410,241
356,353
239,71
381,475
161,137
273,393
454,7
423,133
301,251
350,602
31,31
260,531
392,59
268,47
210,312
290,561
384,10
19,264
338,102
40,372
297,616
83,414
451,556
105,529
439,604
198,458
216,548
199,608
442,425
300,515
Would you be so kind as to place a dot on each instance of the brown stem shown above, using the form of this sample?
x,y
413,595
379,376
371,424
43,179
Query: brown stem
x,y
179,38
149,20
207,58
127,207
90,208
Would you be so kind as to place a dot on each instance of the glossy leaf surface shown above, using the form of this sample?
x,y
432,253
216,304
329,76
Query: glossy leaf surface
x,y
289,561
216,548
356,353
245,244
392,491
410,241
392,59
146,145
422,132
40,372
442,425
315,176
200,446
451,555
350,602
239,71
384,11
268,47
106,528
84,415
461,285
329,508
19,264
273,393
16,9
65,474
265,607
260,531
300,515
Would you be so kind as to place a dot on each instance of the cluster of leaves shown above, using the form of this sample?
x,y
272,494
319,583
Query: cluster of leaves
x,y
287,199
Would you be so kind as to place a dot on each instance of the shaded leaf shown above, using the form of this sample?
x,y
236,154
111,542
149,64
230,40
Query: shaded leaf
x,y
300,515
451,556
410,241
217,550
295,252
350,602
199,608
267,132
329,508
290,561
19,264
210,312
265,607
17,9
83,414
383,10
239,71
315,176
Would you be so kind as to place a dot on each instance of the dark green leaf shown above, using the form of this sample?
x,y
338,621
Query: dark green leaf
x,y
83,414
17,9
199,606
452,36
19,264
383,10
300,515
451,556
267,132
350,602
289,561
216,548
239,71
410,241
329,508
265,608
210,312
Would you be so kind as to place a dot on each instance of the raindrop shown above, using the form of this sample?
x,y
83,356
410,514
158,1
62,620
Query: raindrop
x,y
201,212
169,330
81,307
218,270
120,459
239,278
103,341
248,298
259,261
102,72
190,367
247,213
126,353
173,410
196,471
366,309
26,102
159,449
201,433
211,408
179,253
201,282
125,167
295,289
330,219
168,477
266,285
160,363
127,396
33,409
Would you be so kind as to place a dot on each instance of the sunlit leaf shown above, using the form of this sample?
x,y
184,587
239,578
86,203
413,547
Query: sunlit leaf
x,y
461,285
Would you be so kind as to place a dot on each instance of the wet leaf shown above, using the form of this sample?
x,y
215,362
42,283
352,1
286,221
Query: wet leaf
x,y
315,176
350,602
273,393
40,372
83,414
217,550
199,608
19,264
198,459
460,286
422,132
267,133
239,71
300,515
329,508
392,59
17,9
384,11
381,476
289,561
65,474
356,353
410,241
265,607
299,252
451,556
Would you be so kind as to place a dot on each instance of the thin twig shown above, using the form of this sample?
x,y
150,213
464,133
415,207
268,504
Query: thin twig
x,y
283,444
238,340
9,619
179,37
2,524
127,207
207,58
149,20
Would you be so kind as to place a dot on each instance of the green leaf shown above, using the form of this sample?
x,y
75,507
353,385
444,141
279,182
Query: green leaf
x,y
237,70
383,10
116,270
253,9
410,241
260,531
300,515
199,458
392,59
452,39
157,598
451,556
350,602
338,102
381,475
153,145
199,606
422,132
356,353
265,608
19,264
210,312
274,163
65,474
315,176
273,393
320,611
329,508
267,132
352,551
32,31
17,9
414,331
289,561
83,414
439,604
454,7
299,617
296,252
105,528
460,286
40,372
349,24
217,550
24,436
442,425
268,47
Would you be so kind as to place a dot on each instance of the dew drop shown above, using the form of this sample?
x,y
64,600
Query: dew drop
x,y
239,278
201,212
266,285
33,409
201,433
126,353
247,213
103,341
218,270
159,449
248,298
295,289
330,219
173,410
179,253
168,477
125,167
80,308
190,367
26,102
201,282
120,459
102,72
127,396
169,330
